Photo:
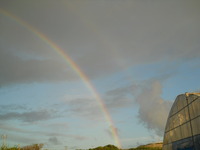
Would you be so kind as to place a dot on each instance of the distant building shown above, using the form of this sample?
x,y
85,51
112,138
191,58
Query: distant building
x,y
182,131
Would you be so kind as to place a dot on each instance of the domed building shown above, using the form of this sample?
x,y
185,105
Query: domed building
x,y
182,131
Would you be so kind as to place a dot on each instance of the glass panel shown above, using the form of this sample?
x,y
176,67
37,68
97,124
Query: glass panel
x,y
171,123
192,97
175,136
181,101
165,141
186,130
167,128
174,108
172,137
186,114
169,147
194,108
196,126
178,133
164,147
166,138
182,116
176,120
179,118
197,142
185,144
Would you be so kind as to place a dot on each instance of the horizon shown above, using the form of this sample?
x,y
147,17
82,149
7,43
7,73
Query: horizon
x,y
84,74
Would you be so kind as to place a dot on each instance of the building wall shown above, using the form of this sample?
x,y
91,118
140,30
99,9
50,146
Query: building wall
x,y
182,130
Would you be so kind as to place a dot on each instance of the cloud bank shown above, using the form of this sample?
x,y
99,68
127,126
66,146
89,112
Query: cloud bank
x,y
104,42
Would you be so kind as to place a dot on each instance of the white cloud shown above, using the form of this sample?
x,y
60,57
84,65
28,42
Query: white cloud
x,y
153,109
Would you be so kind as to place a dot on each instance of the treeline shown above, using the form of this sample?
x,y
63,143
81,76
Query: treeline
x,y
107,147
30,147
112,147
146,148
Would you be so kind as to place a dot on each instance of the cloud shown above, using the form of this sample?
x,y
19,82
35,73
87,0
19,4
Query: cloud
x,y
79,138
17,70
11,107
153,110
22,139
120,97
30,116
124,34
87,108
109,131
54,141
53,134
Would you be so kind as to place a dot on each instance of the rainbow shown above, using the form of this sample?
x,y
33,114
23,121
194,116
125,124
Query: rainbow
x,y
73,65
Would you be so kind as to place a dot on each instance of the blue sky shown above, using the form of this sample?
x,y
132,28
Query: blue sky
x,y
138,55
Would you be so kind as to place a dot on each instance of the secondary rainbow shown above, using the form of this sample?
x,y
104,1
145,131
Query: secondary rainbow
x,y
73,65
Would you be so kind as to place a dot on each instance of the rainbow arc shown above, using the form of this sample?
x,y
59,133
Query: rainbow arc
x,y
73,65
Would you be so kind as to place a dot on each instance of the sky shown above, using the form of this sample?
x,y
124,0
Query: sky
x,y
83,73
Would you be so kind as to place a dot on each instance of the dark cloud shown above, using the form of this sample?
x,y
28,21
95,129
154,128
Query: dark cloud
x,y
17,70
30,116
102,42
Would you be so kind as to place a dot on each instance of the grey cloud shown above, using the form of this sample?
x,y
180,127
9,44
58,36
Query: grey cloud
x,y
23,140
153,32
123,90
121,97
12,107
31,116
90,108
54,141
116,35
7,128
86,107
110,132
16,70
116,103
80,138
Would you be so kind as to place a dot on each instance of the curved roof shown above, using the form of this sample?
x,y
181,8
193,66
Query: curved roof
x,y
182,127
181,102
